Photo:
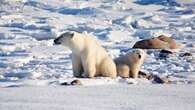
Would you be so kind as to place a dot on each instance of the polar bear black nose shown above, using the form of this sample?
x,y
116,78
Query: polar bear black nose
x,y
56,41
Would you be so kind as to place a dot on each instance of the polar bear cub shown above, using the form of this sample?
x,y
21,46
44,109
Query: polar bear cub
x,y
88,56
129,64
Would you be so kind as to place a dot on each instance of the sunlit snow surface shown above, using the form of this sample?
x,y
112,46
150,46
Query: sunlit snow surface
x,y
27,30
32,69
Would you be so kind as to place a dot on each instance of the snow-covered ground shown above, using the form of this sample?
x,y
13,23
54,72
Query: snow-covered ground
x,y
29,58
121,97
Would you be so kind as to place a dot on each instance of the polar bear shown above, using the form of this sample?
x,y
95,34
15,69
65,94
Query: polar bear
x,y
88,56
129,64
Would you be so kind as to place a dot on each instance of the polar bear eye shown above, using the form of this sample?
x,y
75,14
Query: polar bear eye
x,y
71,35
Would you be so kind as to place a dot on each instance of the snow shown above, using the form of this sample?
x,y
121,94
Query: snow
x,y
114,97
30,62
118,36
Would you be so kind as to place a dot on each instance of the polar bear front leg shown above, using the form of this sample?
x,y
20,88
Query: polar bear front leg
x,y
89,68
134,70
123,70
77,66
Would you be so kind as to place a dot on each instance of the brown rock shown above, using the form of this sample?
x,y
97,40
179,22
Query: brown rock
x,y
153,43
161,42
76,82
169,40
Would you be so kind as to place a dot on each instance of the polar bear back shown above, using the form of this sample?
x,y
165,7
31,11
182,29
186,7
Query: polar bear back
x,y
92,46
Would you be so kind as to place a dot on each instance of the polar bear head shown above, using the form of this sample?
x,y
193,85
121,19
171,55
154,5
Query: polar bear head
x,y
64,38
136,55
73,40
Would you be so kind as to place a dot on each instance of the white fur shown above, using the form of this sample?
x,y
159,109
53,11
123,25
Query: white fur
x,y
130,62
88,56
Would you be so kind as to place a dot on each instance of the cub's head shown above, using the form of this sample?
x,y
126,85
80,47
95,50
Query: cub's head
x,y
136,55
64,39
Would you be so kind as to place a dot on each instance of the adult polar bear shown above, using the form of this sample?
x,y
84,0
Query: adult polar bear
x,y
87,55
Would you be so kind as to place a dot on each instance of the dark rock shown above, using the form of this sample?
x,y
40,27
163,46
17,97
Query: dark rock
x,y
165,54
76,82
161,80
64,84
185,54
145,75
150,77
142,74
166,51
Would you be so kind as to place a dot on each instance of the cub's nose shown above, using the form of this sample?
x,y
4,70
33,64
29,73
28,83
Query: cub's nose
x,y
139,56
